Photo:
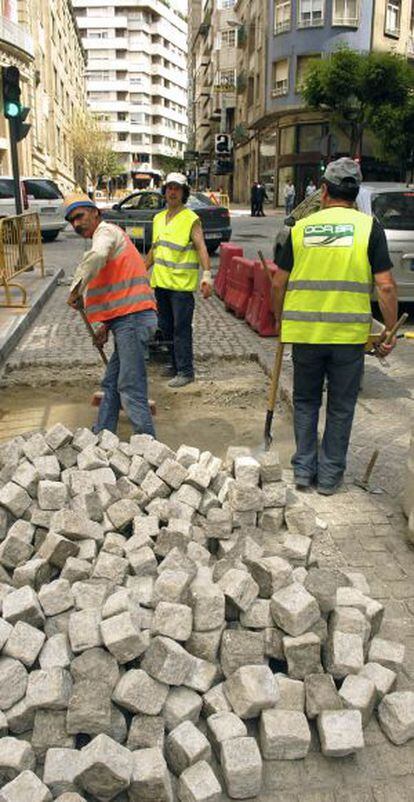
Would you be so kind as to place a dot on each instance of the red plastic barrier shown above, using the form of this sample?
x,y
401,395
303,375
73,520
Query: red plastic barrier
x,y
239,285
227,251
259,314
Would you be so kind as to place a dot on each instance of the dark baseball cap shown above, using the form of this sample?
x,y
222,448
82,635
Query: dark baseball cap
x,y
344,172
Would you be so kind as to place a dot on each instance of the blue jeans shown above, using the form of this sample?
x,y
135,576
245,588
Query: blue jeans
x,y
125,381
342,365
175,311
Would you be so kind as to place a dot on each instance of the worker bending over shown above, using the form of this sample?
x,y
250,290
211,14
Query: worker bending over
x,y
120,300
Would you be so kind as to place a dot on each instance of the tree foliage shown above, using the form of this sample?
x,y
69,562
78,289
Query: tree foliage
x,y
92,150
171,164
359,90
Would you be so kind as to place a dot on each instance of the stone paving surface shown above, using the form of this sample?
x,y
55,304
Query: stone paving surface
x,y
365,532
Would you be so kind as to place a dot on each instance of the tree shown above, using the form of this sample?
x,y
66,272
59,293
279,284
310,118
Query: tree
x,y
356,88
171,164
92,151
394,133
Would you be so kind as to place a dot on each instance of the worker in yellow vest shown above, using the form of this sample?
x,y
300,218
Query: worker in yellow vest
x,y
178,249
327,268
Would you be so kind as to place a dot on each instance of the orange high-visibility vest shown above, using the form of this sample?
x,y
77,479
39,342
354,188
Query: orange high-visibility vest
x,y
120,288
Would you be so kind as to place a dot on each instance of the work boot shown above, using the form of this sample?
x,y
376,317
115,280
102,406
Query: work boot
x,y
180,380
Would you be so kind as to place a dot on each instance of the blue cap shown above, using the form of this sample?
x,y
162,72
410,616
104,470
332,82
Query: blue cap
x,y
74,204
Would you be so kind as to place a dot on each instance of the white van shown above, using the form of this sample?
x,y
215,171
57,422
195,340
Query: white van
x,y
40,195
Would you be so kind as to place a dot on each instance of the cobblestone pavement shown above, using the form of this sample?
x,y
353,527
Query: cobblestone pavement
x,y
365,532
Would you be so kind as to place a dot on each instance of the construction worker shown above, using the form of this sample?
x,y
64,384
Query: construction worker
x,y
178,248
119,299
323,288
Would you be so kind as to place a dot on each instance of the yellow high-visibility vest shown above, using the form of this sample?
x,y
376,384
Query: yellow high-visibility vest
x,y
328,295
175,258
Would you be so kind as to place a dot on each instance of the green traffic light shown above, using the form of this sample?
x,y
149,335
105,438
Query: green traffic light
x,y
12,109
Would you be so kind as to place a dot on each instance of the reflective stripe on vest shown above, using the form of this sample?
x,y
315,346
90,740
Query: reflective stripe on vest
x,y
108,298
328,295
175,258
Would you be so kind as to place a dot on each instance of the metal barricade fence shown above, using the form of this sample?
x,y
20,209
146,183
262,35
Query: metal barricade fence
x,y
20,250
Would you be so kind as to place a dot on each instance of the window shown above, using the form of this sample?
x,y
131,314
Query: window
x,y
280,77
302,67
282,16
310,13
102,11
226,38
392,18
345,12
98,33
225,80
395,210
225,4
309,138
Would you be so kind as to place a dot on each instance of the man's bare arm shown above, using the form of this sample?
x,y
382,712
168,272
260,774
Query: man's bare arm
x,y
388,304
197,238
149,259
279,282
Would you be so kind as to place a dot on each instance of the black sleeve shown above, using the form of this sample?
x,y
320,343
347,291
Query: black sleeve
x,y
285,258
378,253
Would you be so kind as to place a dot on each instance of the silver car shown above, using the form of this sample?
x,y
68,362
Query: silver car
x,y
393,205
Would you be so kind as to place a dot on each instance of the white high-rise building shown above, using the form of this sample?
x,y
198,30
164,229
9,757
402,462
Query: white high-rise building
x,y
137,79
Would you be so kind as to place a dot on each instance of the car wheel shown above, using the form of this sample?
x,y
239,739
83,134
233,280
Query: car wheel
x,y
49,236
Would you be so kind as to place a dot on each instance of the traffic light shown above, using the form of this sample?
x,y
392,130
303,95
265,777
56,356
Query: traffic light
x,y
12,107
11,92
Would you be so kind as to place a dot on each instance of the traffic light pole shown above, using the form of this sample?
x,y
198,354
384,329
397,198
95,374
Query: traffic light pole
x,y
15,166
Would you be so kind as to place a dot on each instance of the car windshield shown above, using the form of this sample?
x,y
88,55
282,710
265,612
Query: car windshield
x,y
395,210
42,189
6,188
198,201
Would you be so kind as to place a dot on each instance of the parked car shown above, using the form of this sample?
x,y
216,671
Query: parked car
x,y
40,195
45,197
393,205
136,212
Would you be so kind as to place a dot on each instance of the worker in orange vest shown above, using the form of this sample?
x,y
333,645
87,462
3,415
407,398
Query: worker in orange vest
x,y
119,299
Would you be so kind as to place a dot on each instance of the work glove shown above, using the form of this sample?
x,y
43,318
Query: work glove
x,y
206,286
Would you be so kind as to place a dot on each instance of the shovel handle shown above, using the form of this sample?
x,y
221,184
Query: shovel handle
x,y
93,337
274,386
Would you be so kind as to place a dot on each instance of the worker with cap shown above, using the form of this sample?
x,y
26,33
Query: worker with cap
x,y
178,248
323,286
119,299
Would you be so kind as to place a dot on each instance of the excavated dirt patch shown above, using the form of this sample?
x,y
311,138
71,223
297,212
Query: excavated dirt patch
x,y
225,406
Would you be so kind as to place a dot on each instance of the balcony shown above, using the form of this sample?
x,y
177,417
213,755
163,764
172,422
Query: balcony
x,y
311,21
345,21
16,36
280,88
282,26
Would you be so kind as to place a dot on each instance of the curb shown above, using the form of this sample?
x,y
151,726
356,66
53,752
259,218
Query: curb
x,y
22,323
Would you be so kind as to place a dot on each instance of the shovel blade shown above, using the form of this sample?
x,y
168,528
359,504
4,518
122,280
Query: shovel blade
x,y
268,439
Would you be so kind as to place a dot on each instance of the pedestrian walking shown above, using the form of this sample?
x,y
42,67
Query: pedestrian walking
x,y
310,188
119,299
289,194
322,288
178,249
253,199
261,197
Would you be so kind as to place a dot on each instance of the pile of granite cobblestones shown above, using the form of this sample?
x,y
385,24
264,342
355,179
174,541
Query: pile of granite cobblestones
x,y
165,626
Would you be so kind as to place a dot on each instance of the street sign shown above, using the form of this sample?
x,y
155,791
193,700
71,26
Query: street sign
x,y
191,155
223,145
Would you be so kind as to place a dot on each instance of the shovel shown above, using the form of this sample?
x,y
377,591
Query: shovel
x,y
364,482
93,336
277,367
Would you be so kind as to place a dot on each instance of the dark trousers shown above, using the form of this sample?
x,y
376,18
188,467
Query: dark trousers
x,y
175,317
342,365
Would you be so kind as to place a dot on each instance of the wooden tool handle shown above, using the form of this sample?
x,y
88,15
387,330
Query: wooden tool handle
x,y
400,322
275,376
93,336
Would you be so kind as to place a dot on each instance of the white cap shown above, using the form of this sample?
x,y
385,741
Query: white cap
x,y
176,178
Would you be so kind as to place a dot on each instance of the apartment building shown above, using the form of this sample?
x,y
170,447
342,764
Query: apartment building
x,y
214,59
42,40
137,80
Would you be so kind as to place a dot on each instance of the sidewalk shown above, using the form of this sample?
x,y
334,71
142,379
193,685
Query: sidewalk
x,y
14,322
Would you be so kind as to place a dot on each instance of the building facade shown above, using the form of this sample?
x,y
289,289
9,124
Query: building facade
x,y
42,40
137,80
282,139
214,59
